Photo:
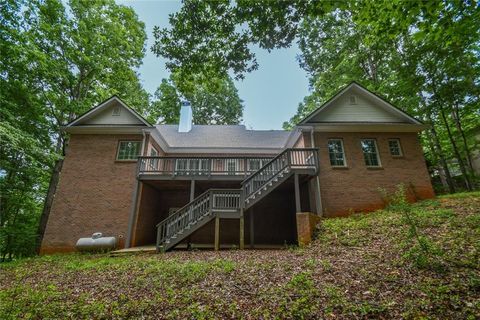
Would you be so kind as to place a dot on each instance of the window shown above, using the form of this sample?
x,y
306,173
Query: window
x,y
395,147
370,153
336,153
128,150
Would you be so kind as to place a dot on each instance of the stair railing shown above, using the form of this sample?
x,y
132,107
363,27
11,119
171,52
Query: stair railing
x,y
212,200
305,158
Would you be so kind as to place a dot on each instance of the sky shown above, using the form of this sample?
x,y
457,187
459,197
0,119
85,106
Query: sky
x,y
271,94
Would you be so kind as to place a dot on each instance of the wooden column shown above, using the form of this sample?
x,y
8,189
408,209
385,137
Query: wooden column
x,y
192,190
297,194
242,230
252,236
217,233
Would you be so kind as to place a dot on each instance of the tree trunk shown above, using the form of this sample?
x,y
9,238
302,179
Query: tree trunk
x,y
466,178
458,124
52,188
441,157
437,162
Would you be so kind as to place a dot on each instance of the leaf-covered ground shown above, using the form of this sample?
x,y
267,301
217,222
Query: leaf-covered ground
x,y
364,266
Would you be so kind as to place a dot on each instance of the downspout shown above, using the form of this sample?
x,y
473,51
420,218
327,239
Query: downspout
x,y
319,198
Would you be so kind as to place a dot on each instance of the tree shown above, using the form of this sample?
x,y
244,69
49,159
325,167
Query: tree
x,y
57,61
399,49
214,100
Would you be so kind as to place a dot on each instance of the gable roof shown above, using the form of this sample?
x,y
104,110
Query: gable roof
x,y
223,138
397,115
95,111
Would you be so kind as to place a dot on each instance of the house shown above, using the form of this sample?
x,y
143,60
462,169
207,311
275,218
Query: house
x,y
224,185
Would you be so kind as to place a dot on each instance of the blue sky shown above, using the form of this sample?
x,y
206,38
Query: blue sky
x,y
271,93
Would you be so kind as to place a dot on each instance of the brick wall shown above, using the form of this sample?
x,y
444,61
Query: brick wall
x,y
94,193
355,188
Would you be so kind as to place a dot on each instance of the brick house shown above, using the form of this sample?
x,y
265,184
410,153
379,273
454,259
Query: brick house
x,y
224,185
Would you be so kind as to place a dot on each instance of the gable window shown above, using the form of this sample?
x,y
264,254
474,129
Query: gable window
x,y
128,150
370,152
395,147
336,153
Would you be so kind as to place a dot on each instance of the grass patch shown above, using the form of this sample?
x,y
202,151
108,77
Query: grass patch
x,y
407,261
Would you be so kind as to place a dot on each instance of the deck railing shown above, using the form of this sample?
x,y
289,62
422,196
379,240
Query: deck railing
x,y
213,200
200,166
305,158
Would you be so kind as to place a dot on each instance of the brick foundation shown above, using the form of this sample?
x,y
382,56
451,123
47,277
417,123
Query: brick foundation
x,y
306,222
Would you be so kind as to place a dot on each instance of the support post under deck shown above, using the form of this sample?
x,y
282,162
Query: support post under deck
x,y
242,230
298,207
217,233
252,236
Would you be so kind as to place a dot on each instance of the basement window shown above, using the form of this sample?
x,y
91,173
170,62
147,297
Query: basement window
x,y
128,150
395,147
336,153
370,152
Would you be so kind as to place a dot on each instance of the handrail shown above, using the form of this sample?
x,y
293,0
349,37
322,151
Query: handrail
x,y
200,166
289,158
278,156
200,207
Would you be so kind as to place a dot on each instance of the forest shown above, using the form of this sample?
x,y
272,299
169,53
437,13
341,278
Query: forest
x,y
60,58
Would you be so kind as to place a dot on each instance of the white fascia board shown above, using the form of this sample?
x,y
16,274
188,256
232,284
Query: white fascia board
x,y
368,127
101,129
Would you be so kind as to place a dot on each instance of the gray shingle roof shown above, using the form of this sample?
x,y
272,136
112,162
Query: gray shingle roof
x,y
223,136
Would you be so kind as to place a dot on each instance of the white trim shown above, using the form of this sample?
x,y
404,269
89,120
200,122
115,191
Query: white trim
x,y
399,147
366,127
343,152
102,106
102,129
384,104
377,153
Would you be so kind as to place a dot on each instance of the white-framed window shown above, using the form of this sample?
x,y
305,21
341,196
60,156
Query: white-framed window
x,y
128,150
395,147
336,153
370,153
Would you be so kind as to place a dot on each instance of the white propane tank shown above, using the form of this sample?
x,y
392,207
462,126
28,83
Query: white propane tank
x,y
96,243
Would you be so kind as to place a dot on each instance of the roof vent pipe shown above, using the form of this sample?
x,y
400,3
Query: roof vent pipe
x,y
186,116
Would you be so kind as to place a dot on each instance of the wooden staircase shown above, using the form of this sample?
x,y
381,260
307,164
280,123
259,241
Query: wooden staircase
x,y
232,202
